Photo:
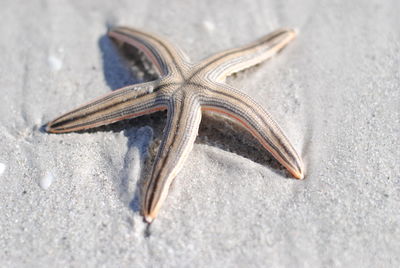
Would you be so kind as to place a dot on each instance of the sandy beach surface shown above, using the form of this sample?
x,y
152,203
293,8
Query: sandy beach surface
x,y
72,200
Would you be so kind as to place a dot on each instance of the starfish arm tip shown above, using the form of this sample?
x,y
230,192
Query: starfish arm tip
x,y
292,33
48,128
112,30
148,218
45,128
298,174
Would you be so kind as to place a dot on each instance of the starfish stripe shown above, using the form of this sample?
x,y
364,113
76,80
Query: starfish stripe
x,y
153,47
178,140
244,110
135,90
268,133
226,63
120,104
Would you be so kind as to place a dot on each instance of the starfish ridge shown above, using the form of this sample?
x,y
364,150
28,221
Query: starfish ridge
x,y
185,90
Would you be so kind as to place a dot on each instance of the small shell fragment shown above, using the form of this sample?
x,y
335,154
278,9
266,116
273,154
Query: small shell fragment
x,y
2,168
46,180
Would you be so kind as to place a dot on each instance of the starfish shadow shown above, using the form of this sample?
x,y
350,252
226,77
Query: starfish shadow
x,y
123,66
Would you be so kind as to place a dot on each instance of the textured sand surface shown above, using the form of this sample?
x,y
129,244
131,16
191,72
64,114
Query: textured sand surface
x,y
72,200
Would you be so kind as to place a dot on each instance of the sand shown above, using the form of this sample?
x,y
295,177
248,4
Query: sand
x,y
72,200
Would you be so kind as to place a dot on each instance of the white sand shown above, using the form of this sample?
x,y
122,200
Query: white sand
x,y
335,91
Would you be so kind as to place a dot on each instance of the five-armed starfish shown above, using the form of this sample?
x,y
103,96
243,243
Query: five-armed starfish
x,y
185,90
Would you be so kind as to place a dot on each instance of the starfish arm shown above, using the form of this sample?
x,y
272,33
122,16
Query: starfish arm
x,y
124,103
183,122
242,109
163,55
223,64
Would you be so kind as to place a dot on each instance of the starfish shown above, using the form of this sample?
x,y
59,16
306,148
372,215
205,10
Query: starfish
x,y
185,90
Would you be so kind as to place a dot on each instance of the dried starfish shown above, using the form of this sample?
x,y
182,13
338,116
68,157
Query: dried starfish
x,y
185,90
